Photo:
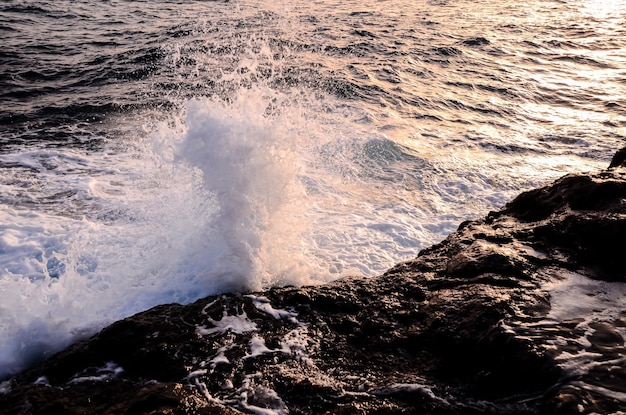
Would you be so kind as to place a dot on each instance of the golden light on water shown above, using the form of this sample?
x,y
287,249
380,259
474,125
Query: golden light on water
x,y
602,9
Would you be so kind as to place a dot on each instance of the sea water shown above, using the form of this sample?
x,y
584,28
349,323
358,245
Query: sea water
x,y
162,151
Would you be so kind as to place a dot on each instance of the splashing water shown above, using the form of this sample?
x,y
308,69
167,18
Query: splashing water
x,y
237,146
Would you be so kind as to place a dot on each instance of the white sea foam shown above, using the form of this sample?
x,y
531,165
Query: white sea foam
x,y
239,323
263,304
220,357
42,380
416,388
253,394
92,239
258,348
109,371
248,164
5,387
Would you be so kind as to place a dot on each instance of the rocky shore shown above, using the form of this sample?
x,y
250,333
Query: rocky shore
x,y
522,312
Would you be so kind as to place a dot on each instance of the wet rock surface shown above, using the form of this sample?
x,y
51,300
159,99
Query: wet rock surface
x,y
517,313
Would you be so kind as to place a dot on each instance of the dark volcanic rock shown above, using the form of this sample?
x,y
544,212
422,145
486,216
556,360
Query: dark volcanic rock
x,y
619,159
477,324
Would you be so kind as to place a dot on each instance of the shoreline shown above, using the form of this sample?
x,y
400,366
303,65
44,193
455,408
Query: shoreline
x,y
471,325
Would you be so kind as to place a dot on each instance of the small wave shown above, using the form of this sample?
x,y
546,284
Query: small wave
x,y
364,33
26,9
476,41
582,60
562,44
447,51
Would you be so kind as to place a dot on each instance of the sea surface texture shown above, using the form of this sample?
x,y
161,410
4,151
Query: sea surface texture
x,y
162,151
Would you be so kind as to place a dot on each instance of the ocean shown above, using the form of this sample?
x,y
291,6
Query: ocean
x,y
162,151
